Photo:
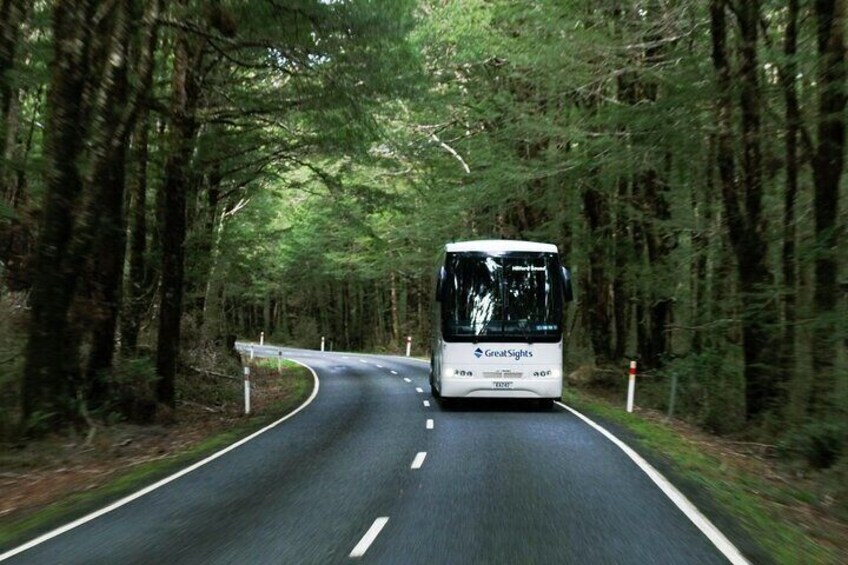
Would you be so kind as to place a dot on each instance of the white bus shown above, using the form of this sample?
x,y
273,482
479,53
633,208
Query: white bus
x,y
498,321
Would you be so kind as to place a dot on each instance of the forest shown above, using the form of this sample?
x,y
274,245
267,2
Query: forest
x,y
174,175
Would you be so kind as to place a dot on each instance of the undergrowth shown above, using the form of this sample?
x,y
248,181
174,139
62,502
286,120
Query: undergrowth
x,y
13,316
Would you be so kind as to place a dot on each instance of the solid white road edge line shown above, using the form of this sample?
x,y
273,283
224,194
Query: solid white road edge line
x,y
369,537
419,460
429,423
724,545
127,499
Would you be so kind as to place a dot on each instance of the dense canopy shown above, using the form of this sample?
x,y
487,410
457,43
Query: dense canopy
x,y
174,173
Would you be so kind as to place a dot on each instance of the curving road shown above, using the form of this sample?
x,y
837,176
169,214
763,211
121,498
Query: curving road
x,y
375,470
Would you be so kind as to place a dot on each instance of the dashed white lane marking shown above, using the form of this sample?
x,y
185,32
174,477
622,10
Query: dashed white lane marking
x,y
169,479
419,460
379,366
419,389
363,361
730,551
429,423
427,403
369,537
407,380
394,372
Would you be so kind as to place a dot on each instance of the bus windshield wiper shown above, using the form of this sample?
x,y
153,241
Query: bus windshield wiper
x,y
523,323
528,334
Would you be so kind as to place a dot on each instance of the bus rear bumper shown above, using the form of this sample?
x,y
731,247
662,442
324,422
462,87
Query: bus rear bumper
x,y
502,388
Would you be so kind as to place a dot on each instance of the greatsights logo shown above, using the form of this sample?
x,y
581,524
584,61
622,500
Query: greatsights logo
x,y
517,354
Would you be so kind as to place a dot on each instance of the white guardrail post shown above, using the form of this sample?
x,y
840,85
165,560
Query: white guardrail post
x,y
261,338
631,386
247,390
408,345
251,353
322,343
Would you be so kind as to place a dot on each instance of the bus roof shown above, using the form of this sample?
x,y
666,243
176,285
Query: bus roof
x,y
499,246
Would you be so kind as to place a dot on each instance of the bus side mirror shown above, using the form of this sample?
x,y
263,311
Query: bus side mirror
x,y
440,284
567,289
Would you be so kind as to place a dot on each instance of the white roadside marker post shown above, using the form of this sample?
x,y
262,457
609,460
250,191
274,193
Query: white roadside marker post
x,y
280,362
261,338
631,386
247,390
251,353
408,345
322,343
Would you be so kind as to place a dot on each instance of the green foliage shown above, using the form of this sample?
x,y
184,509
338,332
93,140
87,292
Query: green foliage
x,y
131,388
12,316
821,444
710,390
40,423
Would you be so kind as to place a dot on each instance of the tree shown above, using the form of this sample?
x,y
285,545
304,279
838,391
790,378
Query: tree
x,y
828,164
92,109
171,203
743,201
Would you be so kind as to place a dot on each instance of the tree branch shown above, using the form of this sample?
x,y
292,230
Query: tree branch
x,y
452,151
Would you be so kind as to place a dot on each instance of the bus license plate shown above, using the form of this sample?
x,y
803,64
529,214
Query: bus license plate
x,y
502,384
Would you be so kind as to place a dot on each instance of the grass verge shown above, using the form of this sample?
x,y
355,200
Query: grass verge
x,y
773,512
273,402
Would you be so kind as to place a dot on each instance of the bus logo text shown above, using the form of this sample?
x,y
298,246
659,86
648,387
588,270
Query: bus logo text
x,y
517,354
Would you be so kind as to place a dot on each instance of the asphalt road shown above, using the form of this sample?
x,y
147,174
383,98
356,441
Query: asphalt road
x,y
500,483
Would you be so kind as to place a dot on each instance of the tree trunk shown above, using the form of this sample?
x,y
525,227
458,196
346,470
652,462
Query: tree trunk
x,y
393,304
212,296
790,193
12,16
173,228
109,262
266,314
106,259
16,237
745,221
348,303
623,248
653,342
828,163
51,369
597,289
209,250
137,282
702,209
